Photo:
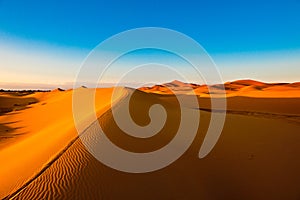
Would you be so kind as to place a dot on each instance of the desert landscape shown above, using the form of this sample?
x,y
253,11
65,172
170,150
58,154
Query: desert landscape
x,y
256,157
146,100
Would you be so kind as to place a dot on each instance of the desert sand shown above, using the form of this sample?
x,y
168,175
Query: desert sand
x,y
256,157
249,88
36,134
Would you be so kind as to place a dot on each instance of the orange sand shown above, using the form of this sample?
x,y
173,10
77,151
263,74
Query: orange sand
x,y
249,88
256,156
39,133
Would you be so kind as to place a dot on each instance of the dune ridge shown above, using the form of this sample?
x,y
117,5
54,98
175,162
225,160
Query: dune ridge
x,y
250,88
246,159
252,149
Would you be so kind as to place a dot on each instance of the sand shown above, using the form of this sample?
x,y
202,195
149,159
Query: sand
x,y
249,88
256,157
39,133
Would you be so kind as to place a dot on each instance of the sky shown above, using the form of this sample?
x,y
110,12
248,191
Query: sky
x,y
44,43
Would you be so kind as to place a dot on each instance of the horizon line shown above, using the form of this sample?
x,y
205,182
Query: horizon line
x,y
70,85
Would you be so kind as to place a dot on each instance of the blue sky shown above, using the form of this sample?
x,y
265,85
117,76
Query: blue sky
x,y
46,41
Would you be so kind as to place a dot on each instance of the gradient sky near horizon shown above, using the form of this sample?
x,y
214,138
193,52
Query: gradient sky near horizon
x,y
43,43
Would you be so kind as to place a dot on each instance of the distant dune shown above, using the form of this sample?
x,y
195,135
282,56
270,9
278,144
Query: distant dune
x,y
256,157
250,88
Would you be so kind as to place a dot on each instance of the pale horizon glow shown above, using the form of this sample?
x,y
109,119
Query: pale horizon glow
x,y
31,65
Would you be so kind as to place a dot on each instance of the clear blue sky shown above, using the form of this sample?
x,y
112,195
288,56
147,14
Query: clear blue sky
x,y
233,32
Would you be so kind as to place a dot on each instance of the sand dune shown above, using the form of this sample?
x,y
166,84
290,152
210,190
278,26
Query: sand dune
x,y
40,133
175,85
255,158
250,88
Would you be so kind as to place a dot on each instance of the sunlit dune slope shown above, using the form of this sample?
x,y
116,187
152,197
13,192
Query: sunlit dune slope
x,y
255,158
31,137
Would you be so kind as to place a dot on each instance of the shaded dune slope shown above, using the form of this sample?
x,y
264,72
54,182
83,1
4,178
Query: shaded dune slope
x,y
254,159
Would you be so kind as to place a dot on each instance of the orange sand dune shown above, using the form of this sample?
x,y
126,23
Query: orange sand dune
x,y
38,133
255,158
250,88
175,85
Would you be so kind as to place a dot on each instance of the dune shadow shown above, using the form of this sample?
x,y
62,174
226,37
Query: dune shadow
x,y
7,131
15,103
